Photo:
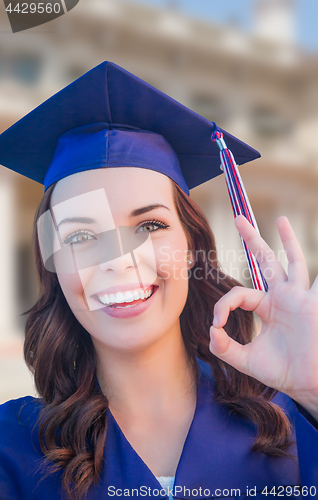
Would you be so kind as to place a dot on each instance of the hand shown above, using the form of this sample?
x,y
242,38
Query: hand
x,y
284,355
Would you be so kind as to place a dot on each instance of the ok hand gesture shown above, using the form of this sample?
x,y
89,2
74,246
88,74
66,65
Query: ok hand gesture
x,y
284,355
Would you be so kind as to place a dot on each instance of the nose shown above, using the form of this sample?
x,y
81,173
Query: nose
x,y
121,264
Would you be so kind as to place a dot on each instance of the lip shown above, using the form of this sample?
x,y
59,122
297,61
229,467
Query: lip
x,y
130,311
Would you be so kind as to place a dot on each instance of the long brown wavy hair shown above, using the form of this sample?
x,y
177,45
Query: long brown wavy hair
x,y
60,353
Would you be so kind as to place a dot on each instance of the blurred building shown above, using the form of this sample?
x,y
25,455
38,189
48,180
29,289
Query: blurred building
x,y
259,86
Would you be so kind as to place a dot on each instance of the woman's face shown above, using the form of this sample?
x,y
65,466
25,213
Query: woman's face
x,y
123,241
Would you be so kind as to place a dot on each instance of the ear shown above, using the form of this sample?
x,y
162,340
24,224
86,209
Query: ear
x,y
190,259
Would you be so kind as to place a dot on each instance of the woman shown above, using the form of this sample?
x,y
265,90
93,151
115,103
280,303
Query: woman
x,y
135,386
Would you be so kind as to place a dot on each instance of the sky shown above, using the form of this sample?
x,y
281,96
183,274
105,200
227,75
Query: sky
x,y
221,11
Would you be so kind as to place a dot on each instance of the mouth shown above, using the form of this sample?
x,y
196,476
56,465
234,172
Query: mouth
x,y
126,300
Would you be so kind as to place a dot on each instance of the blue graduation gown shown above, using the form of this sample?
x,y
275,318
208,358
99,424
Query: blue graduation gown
x,y
216,460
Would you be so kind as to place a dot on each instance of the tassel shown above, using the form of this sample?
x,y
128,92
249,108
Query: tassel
x,y
240,204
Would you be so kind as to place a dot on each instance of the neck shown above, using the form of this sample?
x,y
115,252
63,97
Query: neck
x,y
148,381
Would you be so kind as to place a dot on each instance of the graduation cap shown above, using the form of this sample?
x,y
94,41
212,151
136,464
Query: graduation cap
x,y
110,118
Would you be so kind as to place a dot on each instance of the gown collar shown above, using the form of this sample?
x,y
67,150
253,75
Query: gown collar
x,y
216,455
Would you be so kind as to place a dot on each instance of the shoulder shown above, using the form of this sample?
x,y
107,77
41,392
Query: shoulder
x,y
280,399
26,407
20,451
18,418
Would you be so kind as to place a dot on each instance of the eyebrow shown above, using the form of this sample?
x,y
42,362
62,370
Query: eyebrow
x,y
134,213
148,208
85,220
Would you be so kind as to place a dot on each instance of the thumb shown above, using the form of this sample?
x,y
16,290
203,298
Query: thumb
x,y
227,349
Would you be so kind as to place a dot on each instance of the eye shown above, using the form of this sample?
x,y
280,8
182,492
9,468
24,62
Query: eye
x,y
151,225
80,236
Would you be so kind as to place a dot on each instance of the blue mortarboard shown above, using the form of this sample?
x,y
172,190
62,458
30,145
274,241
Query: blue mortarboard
x,y
111,118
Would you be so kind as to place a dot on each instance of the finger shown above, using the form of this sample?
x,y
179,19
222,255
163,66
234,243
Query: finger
x,y
239,296
271,268
227,349
297,267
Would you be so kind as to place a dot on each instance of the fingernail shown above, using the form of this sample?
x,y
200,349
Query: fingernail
x,y
215,320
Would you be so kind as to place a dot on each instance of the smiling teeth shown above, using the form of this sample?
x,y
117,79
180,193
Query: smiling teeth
x,y
128,296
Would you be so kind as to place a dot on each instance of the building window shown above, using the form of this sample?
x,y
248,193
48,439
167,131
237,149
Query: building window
x,y
26,69
211,108
73,72
26,281
268,123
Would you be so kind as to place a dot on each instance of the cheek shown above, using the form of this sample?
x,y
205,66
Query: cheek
x,y
72,288
172,258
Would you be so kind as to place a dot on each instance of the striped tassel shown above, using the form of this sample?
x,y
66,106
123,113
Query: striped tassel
x,y
240,204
